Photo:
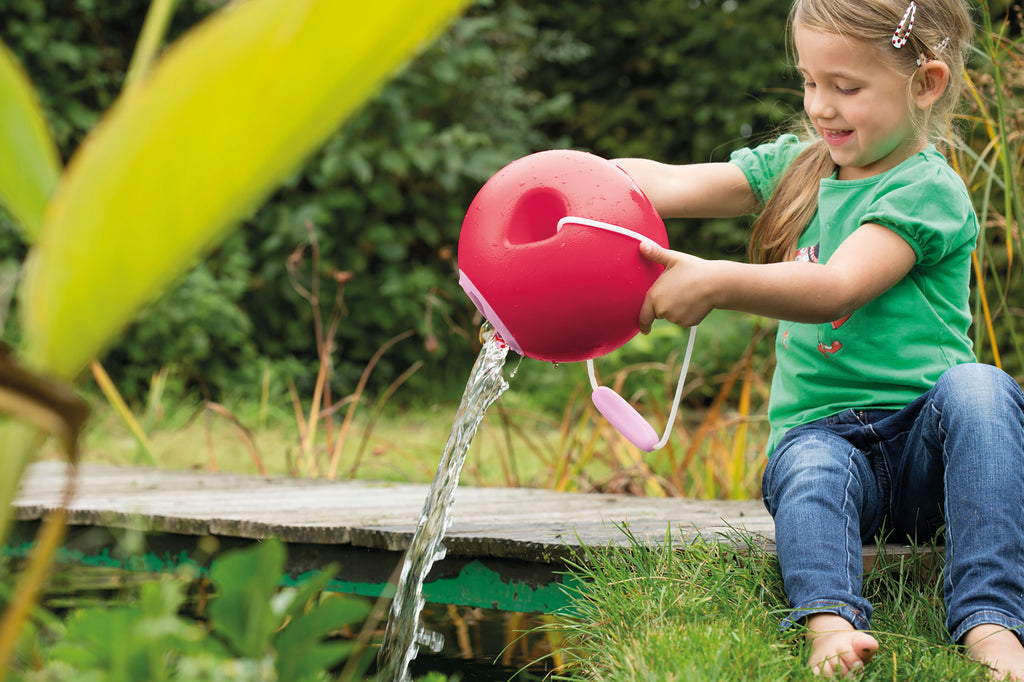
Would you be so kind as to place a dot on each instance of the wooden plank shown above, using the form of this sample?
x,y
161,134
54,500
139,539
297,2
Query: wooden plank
x,y
510,523
519,524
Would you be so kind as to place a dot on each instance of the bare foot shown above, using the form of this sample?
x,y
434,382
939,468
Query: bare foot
x,y
836,646
999,649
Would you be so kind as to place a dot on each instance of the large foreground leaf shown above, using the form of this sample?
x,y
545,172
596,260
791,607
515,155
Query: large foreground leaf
x,y
194,146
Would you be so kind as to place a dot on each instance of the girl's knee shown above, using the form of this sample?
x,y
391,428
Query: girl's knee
x,y
980,390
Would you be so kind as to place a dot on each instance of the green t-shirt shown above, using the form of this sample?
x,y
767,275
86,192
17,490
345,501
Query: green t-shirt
x,y
894,348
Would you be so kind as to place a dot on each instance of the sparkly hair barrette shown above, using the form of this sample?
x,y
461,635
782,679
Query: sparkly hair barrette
x,y
906,25
902,34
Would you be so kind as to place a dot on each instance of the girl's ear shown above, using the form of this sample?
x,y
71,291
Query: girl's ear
x,y
930,82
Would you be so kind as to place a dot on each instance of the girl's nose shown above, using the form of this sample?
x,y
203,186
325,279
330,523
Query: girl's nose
x,y
818,106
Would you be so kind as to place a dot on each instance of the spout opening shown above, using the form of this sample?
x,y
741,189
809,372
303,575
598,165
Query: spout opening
x,y
487,311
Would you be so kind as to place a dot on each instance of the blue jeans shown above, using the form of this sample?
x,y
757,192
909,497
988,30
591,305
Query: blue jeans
x,y
953,457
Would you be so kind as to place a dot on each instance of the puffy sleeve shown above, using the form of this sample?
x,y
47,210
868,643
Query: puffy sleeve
x,y
930,208
764,165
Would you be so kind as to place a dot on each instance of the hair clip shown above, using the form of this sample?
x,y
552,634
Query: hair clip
x,y
899,37
923,59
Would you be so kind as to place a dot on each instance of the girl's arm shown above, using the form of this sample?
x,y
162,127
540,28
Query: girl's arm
x,y
865,265
705,190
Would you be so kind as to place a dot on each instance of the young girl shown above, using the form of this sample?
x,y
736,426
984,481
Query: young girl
x,y
880,416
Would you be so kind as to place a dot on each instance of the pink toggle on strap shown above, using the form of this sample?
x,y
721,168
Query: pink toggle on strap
x,y
625,418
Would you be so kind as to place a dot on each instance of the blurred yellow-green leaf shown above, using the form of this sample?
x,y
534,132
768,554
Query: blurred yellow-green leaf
x,y
29,162
195,145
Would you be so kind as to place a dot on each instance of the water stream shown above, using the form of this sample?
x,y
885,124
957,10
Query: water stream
x,y
404,633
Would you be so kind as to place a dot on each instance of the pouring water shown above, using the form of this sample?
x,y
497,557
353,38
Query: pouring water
x,y
404,633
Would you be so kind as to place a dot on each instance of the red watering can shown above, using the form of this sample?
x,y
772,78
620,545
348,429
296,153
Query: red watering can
x,y
549,255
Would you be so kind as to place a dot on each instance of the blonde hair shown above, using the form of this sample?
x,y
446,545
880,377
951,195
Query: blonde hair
x,y
942,30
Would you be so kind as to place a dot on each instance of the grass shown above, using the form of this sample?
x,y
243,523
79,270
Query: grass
x,y
990,162
400,446
528,439
710,611
516,446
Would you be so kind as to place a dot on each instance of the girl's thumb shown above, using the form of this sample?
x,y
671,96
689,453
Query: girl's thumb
x,y
653,252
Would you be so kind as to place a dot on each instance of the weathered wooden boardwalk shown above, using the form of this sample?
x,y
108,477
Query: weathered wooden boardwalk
x,y
510,523
505,549
506,546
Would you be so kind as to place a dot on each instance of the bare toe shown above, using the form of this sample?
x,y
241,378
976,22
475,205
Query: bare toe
x,y
837,648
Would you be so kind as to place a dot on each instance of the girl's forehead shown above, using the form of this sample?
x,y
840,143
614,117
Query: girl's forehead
x,y
836,54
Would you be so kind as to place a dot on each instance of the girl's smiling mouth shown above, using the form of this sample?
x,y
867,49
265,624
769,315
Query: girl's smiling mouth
x,y
835,137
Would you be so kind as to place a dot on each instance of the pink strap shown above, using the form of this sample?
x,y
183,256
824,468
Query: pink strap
x,y
625,418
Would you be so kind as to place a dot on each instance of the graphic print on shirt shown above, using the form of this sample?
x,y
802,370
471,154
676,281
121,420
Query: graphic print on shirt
x,y
809,254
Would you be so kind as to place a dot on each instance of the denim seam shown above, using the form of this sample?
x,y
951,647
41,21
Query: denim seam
x,y
833,606
949,589
988,617
883,477
937,413
848,522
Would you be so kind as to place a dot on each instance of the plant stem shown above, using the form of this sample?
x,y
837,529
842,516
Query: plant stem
x,y
154,28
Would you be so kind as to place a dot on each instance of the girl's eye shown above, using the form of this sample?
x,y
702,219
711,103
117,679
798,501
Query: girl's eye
x,y
847,91
808,84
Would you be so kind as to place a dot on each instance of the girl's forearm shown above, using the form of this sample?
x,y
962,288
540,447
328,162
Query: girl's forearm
x,y
796,291
868,263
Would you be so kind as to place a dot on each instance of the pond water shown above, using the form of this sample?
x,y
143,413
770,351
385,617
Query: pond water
x,y
486,645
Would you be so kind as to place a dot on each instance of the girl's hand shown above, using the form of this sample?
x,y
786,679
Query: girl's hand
x,y
682,294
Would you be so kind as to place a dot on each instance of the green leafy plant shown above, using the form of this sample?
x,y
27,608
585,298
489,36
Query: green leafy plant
x,y
250,614
123,643
254,628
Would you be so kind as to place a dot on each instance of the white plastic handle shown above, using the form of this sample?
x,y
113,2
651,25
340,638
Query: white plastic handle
x,y
609,227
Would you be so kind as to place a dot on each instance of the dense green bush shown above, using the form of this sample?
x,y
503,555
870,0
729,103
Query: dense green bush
x,y
385,199
386,196
684,82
